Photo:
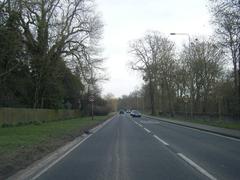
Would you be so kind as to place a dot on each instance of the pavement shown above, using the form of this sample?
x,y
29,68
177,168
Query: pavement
x,y
129,148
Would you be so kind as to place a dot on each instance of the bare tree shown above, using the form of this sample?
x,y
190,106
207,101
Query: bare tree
x,y
205,66
226,17
153,55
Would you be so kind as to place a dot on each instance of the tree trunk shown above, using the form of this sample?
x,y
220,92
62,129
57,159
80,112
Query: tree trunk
x,y
170,102
238,94
151,91
191,98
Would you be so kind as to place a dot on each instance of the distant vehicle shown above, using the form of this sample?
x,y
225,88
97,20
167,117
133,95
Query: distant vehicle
x,y
121,112
128,111
135,113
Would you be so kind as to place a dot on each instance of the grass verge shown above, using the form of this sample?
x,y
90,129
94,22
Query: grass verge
x,y
229,124
22,145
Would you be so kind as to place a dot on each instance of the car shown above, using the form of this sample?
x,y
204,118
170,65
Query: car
x,y
121,112
128,111
135,113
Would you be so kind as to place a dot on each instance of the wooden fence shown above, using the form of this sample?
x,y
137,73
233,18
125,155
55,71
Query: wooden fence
x,y
13,116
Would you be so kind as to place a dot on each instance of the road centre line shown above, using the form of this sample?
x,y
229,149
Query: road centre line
x,y
140,125
189,161
193,164
146,130
162,141
137,123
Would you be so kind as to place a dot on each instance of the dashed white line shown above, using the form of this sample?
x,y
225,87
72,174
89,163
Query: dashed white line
x,y
189,161
137,124
162,141
200,169
146,130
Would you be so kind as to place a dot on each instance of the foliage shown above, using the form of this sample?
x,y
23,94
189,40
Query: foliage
x,y
226,18
22,145
49,52
195,82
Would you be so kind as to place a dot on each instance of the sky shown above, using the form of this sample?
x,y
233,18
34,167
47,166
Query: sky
x,y
126,20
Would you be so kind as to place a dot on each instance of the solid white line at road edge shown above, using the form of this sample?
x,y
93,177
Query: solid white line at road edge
x,y
162,141
200,169
146,130
57,160
69,151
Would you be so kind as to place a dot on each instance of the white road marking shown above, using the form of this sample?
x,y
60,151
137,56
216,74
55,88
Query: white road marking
x,y
162,141
202,131
57,160
146,130
135,122
200,169
69,151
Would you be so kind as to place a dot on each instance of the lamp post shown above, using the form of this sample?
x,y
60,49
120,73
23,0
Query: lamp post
x,y
181,34
191,88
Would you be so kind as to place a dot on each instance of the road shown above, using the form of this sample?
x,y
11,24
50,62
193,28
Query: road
x,y
146,149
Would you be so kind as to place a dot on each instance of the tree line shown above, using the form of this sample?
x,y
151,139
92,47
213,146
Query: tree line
x,y
49,53
203,79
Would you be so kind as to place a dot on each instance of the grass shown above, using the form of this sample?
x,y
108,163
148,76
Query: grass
x,y
21,145
223,123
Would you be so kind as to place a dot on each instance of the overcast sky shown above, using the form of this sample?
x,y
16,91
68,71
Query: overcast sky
x,y
126,20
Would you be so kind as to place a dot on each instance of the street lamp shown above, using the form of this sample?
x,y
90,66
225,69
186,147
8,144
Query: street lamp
x,y
182,34
189,46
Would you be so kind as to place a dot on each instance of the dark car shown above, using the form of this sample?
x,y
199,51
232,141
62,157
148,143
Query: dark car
x,y
135,113
121,112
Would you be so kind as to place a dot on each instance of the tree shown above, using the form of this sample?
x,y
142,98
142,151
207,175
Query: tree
x,y
54,29
51,46
111,102
153,57
226,17
15,79
204,63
